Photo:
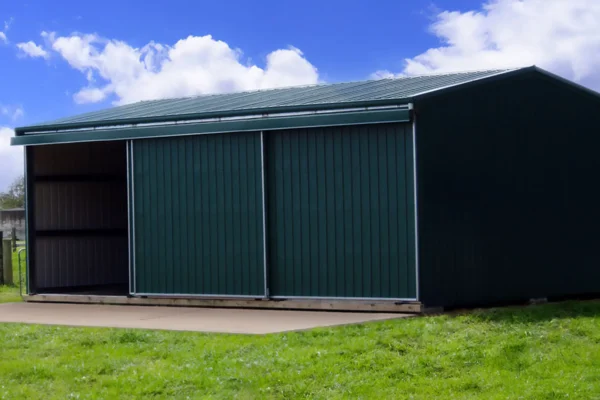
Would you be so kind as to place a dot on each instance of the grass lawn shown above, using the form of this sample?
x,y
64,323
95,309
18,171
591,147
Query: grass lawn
x,y
11,293
539,352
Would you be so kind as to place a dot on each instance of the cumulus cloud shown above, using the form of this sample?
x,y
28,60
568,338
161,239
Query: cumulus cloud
x,y
32,50
195,65
89,95
558,35
3,37
11,159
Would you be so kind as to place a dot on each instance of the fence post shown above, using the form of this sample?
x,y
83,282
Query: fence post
x,y
14,239
7,262
1,260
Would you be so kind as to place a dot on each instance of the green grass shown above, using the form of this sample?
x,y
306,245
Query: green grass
x,y
538,352
10,293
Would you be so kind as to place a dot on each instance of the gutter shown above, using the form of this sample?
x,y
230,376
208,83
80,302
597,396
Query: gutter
x,y
266,122
271,111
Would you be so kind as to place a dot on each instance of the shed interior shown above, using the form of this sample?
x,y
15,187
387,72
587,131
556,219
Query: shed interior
x,y
79,218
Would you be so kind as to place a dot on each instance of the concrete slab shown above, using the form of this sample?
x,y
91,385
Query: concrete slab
x,y
181,318
385,306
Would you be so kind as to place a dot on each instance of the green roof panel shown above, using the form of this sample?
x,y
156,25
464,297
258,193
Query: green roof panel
x,y
301,98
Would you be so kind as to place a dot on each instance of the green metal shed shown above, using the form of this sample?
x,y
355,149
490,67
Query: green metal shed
x,y
444,190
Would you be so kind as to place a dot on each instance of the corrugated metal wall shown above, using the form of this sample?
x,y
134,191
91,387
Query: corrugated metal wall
x,y
79,215
508,200
340,212
80,261
80,205
198,215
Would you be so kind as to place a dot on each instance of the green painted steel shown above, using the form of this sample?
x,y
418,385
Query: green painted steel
x,y
130,216
271,123
340,212
198,215
508,207
292,99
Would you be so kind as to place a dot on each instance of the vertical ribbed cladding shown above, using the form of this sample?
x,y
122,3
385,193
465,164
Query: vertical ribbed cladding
x,y
340,212
130,239
79,214
80,261
264,215
198,215
508,200
80,205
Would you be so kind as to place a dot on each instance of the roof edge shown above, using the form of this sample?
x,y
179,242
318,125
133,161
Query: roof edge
x,y
241,125
500,75
108,124
19,131
564,81
507,74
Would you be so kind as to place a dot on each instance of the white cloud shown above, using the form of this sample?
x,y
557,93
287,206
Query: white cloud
x,y
558,35
194,65
33,50
89,95
17,113
11,159
383,74
7,24
12,112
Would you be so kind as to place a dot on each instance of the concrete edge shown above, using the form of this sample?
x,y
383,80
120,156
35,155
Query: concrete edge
x,y
295,304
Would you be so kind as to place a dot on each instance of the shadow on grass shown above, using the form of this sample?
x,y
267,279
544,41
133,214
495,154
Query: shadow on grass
x,y
539,313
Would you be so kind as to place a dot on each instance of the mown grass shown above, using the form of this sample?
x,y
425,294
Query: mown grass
x,y
10,293
538,352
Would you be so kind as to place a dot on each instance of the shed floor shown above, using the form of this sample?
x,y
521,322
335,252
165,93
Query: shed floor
x,y
181,318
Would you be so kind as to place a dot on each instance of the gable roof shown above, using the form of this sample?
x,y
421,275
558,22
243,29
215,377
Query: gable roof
x,y
292,99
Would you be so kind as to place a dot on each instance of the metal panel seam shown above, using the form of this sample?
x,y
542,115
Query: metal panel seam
x,y
129,224
264,213
133,282
416,229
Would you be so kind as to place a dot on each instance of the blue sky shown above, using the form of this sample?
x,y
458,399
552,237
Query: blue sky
x,y
60,60
344,41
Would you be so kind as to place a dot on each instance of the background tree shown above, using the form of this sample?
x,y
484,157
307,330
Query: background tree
x,y
14,196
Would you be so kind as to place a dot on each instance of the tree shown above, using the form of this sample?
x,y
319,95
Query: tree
x,y
14,197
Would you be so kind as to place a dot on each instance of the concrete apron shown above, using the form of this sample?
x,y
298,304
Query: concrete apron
x,y
182,318
353,305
